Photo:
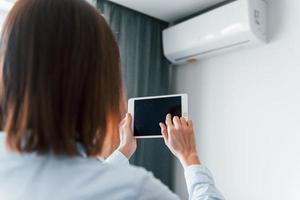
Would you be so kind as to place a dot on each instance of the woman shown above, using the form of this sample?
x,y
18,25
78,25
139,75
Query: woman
x,y
62,101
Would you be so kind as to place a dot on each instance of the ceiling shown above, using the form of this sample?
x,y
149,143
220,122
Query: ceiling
x,y
167,10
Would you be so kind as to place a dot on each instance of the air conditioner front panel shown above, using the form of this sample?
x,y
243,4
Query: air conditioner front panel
x,y
207,29
218,30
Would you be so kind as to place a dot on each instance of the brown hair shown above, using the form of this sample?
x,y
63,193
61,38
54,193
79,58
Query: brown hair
x,y
60,77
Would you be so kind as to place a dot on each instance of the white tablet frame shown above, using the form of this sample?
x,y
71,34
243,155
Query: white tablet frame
x,y
184,109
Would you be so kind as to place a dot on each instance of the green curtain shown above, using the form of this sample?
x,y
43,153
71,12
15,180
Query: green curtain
x,y
146,72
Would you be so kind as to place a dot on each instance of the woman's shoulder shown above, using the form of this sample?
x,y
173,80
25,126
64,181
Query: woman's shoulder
x,y
72,177
87,167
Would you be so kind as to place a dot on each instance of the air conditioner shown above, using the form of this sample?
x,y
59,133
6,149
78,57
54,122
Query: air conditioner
x,y
239,23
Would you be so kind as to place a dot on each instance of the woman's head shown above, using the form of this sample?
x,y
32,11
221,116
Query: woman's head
x,y
60,77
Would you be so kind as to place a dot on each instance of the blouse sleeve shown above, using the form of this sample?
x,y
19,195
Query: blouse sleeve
x,y
117,159
200,183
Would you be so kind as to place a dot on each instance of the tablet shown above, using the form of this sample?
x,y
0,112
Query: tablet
x,y
147,112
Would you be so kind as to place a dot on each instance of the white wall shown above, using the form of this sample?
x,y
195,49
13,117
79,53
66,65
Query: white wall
x,y
246,109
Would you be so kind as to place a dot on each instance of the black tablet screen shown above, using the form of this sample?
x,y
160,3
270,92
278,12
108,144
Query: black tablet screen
x,y
149,112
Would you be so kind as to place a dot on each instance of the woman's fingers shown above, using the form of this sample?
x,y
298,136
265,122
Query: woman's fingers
x,y
177,122
169,121
164,131
127,141
126,123
189,123
183,122
128,119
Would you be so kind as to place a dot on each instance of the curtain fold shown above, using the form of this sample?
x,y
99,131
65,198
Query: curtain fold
x,y
146,72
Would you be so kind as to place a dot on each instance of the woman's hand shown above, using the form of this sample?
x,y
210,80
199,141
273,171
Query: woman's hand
x,y
127,141
179,137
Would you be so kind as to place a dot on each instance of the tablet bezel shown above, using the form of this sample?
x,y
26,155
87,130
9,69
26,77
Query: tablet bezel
x,y
184,109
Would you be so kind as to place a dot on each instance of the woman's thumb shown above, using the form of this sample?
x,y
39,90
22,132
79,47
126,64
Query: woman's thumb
x,y
128,119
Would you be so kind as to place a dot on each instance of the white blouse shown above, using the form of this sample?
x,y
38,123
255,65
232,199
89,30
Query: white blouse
x,y
48,177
